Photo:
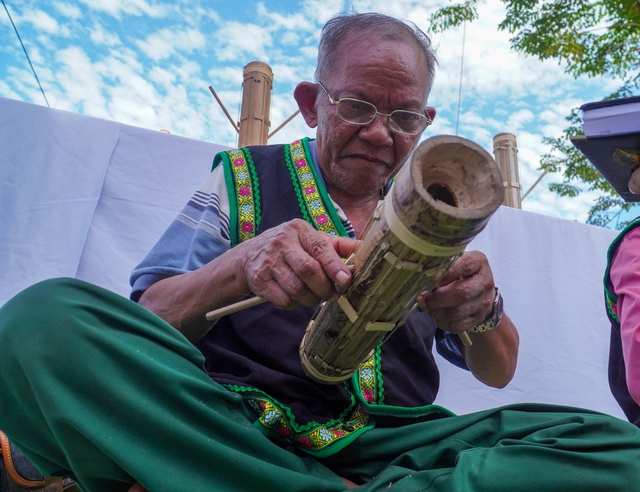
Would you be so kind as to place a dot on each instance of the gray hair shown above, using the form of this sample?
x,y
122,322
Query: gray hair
x,y
341,26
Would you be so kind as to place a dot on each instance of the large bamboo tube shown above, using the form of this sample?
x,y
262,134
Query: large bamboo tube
x,y
505,150
256,104
438,203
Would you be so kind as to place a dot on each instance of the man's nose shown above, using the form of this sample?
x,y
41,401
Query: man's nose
x,y
377,132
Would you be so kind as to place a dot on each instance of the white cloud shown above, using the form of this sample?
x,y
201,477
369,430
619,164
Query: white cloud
x,y
321,11
235,41
277,21
42,21
518,119
22,78
132,7
68,10
100,35
287,73
163,77
79,84
167,42
222,74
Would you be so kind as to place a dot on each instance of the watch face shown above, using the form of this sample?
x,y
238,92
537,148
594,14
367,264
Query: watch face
x,y
497,312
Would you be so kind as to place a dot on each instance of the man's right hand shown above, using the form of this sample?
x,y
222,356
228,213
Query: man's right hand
x,y
290,265
293,265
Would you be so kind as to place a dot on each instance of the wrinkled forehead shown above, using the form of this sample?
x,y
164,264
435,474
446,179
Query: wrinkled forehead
x,y
373,57
366,41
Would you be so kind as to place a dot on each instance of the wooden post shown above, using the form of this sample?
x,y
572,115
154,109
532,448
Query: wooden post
x,y
505,150
256,104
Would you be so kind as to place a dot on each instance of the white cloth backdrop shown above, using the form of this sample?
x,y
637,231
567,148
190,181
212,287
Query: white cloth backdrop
x,y
87,198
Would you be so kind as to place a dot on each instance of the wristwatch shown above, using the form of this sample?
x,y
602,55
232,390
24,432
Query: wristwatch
x,y
494,317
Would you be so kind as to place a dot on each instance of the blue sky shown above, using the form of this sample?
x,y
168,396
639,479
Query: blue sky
x,y
149,63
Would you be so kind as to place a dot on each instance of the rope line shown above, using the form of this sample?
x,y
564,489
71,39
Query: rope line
x,y
464,35
25,52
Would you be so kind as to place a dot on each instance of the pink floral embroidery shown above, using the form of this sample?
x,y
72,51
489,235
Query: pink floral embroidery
x,y
283,431
310,190
244,190
368,395
247,227
238,162
301,163
304,441
322,219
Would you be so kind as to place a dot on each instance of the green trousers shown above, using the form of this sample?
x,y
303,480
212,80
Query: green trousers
x,y
95,387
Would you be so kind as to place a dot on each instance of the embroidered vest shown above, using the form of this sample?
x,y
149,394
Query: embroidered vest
x,y
255,352
617,370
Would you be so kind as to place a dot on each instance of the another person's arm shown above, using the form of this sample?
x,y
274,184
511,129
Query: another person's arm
x,y
625,281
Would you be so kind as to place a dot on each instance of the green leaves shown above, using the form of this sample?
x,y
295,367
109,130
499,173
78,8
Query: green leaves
x,y
592,38
598,38
453,16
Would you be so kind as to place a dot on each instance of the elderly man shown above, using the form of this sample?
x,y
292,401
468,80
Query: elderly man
x,y
154,393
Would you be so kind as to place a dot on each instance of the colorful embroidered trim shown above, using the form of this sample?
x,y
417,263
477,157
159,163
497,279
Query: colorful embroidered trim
x,y
306,188
318,436
367,386
247,193
612,307
367,377
315,437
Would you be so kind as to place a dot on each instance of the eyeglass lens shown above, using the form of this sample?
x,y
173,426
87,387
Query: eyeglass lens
x,y
362,113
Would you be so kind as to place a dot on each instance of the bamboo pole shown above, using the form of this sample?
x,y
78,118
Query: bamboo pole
x,y
233,123
505,150
256,104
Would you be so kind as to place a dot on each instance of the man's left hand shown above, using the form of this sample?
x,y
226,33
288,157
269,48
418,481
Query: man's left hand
x,y
464,296
463,299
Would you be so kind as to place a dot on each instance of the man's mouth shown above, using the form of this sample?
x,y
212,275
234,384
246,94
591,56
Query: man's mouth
x,y
369,159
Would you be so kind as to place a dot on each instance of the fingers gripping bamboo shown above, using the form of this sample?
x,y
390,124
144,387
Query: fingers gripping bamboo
x,y
438,203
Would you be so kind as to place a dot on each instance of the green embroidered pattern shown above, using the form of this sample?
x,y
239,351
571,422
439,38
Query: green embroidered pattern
x,y
248,213
367,377
304,182
316,437
377,367
612,307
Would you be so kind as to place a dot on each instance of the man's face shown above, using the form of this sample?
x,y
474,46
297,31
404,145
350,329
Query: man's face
x,y
392,75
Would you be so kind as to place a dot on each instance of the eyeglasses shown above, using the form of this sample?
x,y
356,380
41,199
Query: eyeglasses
x,y
362,113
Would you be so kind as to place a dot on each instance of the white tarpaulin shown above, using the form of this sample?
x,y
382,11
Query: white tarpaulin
x,y
87,198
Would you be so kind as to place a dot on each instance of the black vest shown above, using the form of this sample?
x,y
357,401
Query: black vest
x,y
255,352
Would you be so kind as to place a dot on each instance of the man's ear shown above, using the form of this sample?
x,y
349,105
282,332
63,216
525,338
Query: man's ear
x,y
305,95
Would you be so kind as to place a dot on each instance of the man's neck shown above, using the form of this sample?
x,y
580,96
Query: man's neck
x,y
357,208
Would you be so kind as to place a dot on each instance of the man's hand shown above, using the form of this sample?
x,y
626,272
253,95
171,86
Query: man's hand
x,y
290,265
463,299
464,296
293,265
